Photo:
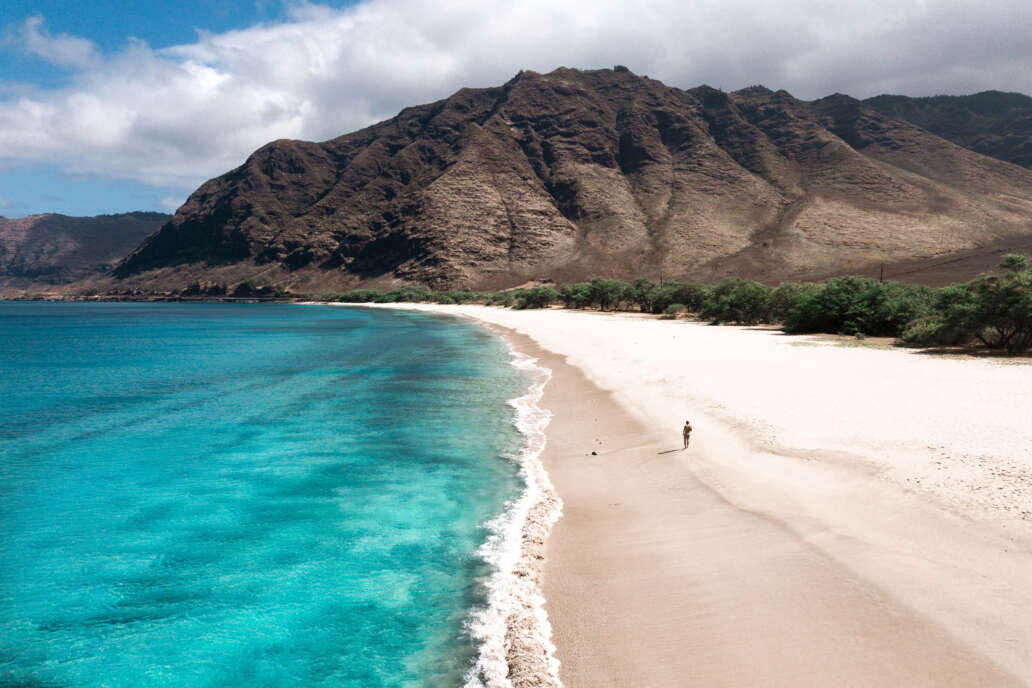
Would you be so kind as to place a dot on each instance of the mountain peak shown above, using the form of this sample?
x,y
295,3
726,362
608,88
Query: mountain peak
x,y
755,90
579,173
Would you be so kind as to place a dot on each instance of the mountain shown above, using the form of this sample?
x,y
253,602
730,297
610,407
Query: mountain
x,y
991,123
574,174
41,251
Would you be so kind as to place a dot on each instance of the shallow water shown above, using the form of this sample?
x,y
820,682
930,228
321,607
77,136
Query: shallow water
x,y
259,495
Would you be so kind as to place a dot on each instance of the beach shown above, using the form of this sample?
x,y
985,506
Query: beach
x,y
845,515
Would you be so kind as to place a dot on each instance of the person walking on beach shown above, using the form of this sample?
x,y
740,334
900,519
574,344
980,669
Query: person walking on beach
x,y
687,432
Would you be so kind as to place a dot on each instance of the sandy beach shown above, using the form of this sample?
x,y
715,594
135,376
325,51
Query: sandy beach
x,y
844,516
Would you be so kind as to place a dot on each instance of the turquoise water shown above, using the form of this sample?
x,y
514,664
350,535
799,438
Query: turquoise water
x,y
252,495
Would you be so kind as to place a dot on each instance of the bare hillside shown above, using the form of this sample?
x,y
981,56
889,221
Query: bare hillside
x,y
574,174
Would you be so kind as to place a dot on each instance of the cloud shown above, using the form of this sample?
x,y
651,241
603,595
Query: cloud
x,y
62,50
177,116
171,204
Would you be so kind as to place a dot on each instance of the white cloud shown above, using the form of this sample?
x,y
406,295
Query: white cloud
x,y
177,116
171,204
62,49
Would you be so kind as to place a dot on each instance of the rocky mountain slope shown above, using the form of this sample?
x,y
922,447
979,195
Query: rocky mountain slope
x,y
575,174
41,251
992,122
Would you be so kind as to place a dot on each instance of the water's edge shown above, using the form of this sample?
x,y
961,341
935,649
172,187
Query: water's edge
x,y
515,636
512,630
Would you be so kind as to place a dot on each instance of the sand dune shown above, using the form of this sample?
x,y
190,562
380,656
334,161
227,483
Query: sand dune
x,y
845,516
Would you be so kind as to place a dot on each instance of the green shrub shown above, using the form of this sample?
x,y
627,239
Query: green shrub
x,y
671,311
692,295
641,293
607,293
847,305
412,293
922,331
1014,263
576,295
460,296
536,297
785,297
355,296
689,294
930,330
500,298
737,300
995,310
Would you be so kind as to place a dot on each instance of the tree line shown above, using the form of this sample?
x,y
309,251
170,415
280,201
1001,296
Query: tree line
x,y
994,310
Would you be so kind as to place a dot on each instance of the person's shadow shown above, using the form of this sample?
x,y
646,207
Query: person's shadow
x,y
668,451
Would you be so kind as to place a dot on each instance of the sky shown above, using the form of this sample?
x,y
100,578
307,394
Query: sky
x,y
112,106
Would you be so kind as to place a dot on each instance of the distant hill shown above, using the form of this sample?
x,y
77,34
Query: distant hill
x,y
42,251
991,123
574,174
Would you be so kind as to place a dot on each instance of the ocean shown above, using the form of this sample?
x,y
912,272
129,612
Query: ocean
x,y
256,495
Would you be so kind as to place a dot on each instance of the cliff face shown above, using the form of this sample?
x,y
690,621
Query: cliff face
x,y
576,174
41,251
991,123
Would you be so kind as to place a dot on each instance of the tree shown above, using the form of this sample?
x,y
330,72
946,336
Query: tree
x,y
1014,263
576,295
688,294
995,310
642,293
737,300
607,293
856,305
536,297
785,297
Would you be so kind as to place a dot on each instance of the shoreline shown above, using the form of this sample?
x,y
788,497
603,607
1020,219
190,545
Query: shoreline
x,y
513,631
747,560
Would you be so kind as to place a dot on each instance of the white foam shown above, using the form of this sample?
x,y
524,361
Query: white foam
x,y
514,636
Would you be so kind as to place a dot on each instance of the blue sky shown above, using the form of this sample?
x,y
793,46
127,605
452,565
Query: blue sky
x,y
110,25
113,106
33,189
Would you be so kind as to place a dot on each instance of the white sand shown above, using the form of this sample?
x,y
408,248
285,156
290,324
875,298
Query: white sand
x,y
911,474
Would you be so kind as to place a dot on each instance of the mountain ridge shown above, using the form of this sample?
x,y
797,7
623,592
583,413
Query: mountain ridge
x,y
49,250
575,173
994,123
